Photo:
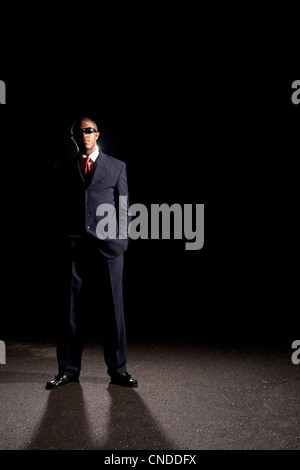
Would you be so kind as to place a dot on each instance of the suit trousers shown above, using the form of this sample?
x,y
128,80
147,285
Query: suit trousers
x,y
90,283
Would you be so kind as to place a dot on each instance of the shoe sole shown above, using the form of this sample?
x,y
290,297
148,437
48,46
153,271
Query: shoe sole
x,y
50,387
123,385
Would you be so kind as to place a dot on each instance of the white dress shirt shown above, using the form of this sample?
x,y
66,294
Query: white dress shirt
x,y
93,155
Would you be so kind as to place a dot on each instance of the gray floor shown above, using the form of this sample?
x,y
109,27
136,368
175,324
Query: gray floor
x,y
189,397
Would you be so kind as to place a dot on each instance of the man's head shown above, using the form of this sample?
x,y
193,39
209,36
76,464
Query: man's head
x,y
85,134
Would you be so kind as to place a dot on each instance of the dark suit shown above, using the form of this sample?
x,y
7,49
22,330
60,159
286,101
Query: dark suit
x,y
77,198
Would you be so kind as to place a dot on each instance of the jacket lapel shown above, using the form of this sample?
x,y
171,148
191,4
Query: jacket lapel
x,y
100,170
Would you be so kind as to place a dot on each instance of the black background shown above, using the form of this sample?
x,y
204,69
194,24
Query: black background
x,y
198,105
188,135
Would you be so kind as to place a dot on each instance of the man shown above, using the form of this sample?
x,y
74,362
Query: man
x,y
82,184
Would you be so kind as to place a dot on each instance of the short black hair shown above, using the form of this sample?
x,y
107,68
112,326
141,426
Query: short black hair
x,y
76,124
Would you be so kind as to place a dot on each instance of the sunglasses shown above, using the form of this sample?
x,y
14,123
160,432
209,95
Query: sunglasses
x,y
86,130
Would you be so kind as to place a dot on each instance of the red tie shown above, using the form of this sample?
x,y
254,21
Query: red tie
x,y
87,165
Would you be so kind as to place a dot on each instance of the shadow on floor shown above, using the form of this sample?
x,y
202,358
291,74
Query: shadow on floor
x,y
130,425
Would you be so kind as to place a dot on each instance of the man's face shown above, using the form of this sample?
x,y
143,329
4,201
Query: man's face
x,y
86,141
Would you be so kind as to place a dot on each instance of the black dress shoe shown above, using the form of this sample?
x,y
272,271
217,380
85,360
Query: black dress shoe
x,y
125,380
59,380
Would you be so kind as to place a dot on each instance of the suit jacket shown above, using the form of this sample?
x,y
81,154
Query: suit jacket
x,y
77,201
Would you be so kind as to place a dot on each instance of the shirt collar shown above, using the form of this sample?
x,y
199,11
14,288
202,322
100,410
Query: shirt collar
x,y
93,155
